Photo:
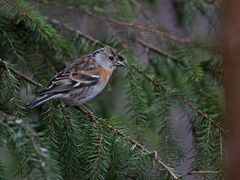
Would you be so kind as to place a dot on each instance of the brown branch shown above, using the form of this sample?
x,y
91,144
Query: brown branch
x,y
216,70
12,46
154,83
198,173
123,45
4,65
142,28
122,23
161,52
154,22
71,29
174,58
210,1
203,114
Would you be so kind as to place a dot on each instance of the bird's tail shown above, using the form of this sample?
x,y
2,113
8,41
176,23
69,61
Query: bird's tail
x,y
39,100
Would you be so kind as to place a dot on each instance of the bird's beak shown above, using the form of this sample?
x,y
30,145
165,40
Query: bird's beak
x,y
121,62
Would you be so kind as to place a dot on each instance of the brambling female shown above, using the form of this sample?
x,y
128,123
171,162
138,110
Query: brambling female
x,y
82,80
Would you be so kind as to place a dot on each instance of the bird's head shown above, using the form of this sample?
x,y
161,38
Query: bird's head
x,y
107,58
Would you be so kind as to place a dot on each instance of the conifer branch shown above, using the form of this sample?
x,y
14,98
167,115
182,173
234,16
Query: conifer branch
x,y
123,23
4,65
88,114
215,70
30,136
36,150
11,45
81,144
152,81
137,4
141,28
23,11
161,52
195,109
210,1
192,172
203,114
181,62
123,44
71,29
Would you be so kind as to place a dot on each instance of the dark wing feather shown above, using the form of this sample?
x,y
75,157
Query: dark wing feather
x,y
79,74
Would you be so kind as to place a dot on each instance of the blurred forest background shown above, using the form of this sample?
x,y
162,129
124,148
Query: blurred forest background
x,y
161,118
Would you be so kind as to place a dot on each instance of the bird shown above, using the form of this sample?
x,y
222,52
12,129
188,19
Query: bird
x,y
82,80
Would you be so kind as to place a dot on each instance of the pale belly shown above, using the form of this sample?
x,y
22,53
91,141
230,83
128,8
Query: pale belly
x,y
80,96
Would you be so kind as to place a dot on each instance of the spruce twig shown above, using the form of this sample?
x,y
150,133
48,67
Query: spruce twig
x,y
4,65
36,150
190,105
123,23
192,172
11,45
87,113
161,52
31,138
71,29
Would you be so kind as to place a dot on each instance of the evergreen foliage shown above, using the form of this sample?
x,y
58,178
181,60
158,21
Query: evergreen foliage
x,y
55,141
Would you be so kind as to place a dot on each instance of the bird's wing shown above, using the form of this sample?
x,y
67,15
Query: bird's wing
x,y
82,73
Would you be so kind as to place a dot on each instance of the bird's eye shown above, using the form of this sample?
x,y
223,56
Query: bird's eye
x,y
111,58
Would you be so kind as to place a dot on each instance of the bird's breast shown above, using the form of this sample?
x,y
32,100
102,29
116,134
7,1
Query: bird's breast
x,y
105,74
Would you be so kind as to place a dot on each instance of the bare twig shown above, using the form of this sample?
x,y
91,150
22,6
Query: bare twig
x,y
4,65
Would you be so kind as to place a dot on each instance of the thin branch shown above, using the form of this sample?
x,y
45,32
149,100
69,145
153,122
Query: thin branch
x,y
12,46
123,45
203,114
145,14
140,71
122,23
4,65
71,29
141,28
161,52
216,70
198,173
210,1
